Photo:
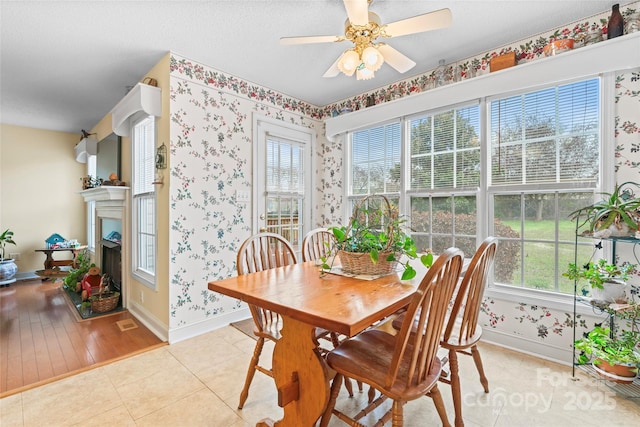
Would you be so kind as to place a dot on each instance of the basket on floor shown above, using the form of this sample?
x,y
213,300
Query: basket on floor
x,y
101,304
361,263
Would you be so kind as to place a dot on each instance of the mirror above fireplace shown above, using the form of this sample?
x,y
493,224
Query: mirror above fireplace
x,y
108,157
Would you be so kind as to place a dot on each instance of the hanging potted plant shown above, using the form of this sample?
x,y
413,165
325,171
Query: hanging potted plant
x,y
607,280
374,242
8,267
614,358
617,214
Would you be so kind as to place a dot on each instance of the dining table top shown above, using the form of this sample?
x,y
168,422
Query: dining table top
x,y
335,302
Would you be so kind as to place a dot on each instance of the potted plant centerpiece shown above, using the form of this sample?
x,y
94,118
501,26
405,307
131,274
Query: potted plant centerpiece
x,y
614,358
8,267
374,242
617,214
607,280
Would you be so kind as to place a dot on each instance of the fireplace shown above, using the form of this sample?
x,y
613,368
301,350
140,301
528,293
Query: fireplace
x,y
112,262
111,234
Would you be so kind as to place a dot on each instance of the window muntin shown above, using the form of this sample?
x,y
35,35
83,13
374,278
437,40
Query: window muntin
x,y
144,201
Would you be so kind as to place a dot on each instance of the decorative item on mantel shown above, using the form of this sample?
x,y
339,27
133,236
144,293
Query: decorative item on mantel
x,y
615,26
90,182
114,181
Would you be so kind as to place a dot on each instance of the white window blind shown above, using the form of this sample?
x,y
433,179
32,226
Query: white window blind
x,y
375,158
547,136
144,154
445,149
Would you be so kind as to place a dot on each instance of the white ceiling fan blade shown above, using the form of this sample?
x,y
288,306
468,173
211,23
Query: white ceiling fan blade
x,y
310,39
395,59
426,22
333,70
357,11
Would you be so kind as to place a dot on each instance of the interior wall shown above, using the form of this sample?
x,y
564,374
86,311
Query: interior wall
x,y
39,184
211,159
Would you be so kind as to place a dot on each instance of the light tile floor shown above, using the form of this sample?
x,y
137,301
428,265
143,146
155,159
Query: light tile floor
x,y
197,383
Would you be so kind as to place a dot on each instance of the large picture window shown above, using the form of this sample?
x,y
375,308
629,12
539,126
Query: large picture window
x,y
515,172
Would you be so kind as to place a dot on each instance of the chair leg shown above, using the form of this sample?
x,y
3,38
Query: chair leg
x,y
397,418
455,387
435,394
251,371
348,386
335,389
478,361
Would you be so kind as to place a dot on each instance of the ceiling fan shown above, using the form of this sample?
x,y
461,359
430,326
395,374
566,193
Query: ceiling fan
x,y
363,28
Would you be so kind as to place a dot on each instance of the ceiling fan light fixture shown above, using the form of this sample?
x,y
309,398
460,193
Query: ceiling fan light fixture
x,y
364,74
348,62
372,58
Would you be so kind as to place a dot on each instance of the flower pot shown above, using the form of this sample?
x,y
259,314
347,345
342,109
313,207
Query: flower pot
x,y
8,270
622,374
361,263
613,292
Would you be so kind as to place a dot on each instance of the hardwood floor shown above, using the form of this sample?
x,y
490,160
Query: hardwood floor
x,y
41,340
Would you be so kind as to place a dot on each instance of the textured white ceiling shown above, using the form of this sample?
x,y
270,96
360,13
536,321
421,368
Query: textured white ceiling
x,y
65,64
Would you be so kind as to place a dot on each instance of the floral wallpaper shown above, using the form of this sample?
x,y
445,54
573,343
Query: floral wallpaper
x,y
211,152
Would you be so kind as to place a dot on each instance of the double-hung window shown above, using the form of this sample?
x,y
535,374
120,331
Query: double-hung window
x,y
545,163
444,178
144,201
512,166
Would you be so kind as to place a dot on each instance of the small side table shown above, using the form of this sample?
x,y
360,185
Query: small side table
x,y
49,263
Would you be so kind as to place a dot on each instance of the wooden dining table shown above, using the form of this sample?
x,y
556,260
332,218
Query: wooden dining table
x,y
306,299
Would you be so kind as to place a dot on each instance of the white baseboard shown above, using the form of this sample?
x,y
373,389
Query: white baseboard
x,y
152,323
189,331
563,356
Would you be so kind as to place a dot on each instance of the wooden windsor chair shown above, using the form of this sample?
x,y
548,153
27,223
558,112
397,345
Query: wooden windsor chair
x,y
462,332
404,366
259,252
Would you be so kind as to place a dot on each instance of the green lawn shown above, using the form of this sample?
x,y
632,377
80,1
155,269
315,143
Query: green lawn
x,y
539,258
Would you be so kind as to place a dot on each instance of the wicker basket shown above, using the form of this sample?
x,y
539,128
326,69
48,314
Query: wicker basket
x,y
361,263
102,304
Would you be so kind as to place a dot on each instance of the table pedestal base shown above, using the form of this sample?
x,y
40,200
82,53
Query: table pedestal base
x,y
301,376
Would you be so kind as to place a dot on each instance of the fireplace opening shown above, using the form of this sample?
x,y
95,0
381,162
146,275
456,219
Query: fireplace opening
x,y
112,262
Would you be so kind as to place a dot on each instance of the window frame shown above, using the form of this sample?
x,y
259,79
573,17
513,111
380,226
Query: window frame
x,y
484,206
143,275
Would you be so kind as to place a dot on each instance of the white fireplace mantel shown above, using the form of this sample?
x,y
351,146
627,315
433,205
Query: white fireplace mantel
x,y
105,193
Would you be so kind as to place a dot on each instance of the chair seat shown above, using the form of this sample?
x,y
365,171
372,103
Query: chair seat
x,y
367,357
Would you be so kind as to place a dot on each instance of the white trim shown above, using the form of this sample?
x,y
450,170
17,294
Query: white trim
x,y
263,126
198,328
141,97
159,329
621,53
528,346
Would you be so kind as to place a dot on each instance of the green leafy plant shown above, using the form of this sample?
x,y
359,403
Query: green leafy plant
x,y
375,228
83,264
596,273
6,238
600,345
616,208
